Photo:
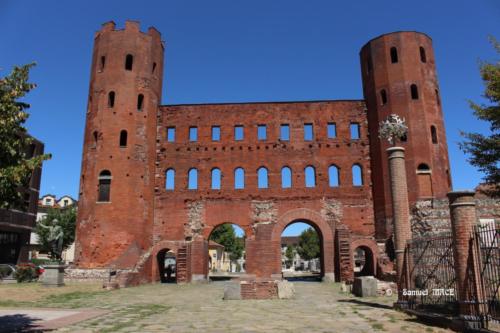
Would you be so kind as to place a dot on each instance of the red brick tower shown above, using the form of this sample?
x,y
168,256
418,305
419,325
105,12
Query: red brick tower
x,y
115,210
399,76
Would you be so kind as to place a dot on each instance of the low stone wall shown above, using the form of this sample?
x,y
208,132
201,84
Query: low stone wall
x,y
78,274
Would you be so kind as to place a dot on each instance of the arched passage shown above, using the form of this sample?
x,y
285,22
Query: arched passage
x,y
325,235
226,251
301,252
364,257
167,264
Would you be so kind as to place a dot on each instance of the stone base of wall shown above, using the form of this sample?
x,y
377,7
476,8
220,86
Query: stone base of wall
x,y
123,277
80,275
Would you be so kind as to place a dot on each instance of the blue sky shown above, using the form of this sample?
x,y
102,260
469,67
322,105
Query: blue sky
x,y
235,51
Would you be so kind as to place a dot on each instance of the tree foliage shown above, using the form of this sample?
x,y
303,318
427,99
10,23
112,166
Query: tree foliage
x,y
484,150
290,253
66,219
225,235
309,244
16,166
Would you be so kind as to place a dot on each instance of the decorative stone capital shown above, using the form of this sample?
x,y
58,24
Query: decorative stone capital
x,y
461,198
395,152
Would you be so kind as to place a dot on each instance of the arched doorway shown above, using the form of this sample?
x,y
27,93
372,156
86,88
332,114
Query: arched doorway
x,y
302,252
167,266
226,252
364,263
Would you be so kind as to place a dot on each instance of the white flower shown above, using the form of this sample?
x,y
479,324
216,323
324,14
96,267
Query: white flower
x,y
392,128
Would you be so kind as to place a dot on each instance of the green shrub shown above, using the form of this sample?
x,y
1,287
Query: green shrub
x,y
26,273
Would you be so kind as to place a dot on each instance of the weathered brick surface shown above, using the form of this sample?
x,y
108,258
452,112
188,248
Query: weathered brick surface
x,y
144,218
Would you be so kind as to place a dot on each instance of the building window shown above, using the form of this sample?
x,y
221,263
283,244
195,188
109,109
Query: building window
x,y
369,65
262,180
239,178
438,99
170,134
394,55
238,133
193,134
170,179
123,138
423,57
333,176
331,130
103,62
310,176
308,132
104,186
261,132
216,179
111,99
286,177
154,68
193,179
355,131
65,202
357,175
285,132
129,62
414,91
96,137
215,133
140,102
383,97
434,134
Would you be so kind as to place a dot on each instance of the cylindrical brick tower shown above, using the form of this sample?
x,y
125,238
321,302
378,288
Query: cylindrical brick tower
x,y
115,210
399,77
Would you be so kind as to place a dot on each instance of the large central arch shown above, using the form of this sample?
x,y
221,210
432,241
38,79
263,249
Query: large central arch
x,y
325,233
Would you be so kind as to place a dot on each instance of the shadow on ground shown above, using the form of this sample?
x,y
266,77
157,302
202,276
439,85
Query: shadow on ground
x,y
18,323
365,303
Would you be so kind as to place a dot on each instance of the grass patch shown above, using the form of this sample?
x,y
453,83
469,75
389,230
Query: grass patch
x,y
378,326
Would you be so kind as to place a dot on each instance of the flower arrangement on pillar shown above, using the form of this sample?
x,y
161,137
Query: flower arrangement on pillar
x,y
393,129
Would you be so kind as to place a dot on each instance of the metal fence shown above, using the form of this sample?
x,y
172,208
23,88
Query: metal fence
x,y
487,240
430,274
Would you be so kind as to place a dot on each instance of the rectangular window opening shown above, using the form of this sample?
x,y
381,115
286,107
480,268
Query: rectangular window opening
x,y
285,132
193,134
171,134
238,133
332,130
308,132
262,132
215,133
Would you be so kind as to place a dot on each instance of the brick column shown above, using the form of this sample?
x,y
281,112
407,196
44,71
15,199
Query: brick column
x,y
463,219
400,208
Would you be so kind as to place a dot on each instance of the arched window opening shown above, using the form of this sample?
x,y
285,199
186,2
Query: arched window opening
x,y
154,68
167,266
216,179
129,62
193,179
123,138
170,179
394,55
103,62
414,91
239,178
422,167
104,190
262,179
286,177
111,99
226,251
302,252
363,262
438,99
96,137
333,176
140,102
383,96
357,175
423,57
434,134
310,176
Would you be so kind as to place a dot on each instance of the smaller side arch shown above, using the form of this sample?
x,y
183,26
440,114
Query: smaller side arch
x,y
370,246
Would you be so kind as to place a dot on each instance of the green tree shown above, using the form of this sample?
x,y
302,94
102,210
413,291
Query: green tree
x,y
66,219
308,244
484,150
290,254
16,166
225,235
